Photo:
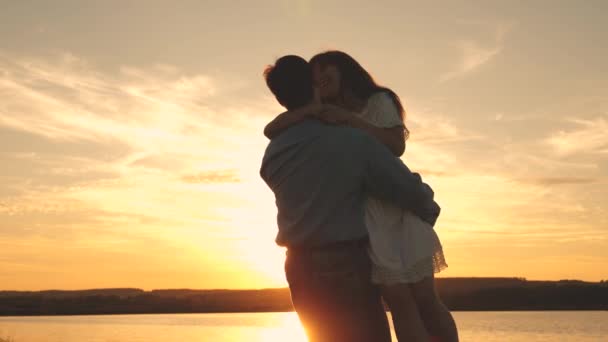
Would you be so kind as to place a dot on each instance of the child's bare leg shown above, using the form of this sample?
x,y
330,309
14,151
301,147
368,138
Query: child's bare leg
x,y
436,316
406,319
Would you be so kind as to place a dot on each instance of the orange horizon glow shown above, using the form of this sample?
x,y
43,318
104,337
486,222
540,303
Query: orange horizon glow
x,y
131,136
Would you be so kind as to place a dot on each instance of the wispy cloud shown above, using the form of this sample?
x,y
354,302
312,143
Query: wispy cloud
x,y
474,54
67,99
87,155
559,180
588,138
160,114
432,128
212,177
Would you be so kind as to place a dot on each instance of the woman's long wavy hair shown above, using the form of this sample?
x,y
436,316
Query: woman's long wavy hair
x,y
356,79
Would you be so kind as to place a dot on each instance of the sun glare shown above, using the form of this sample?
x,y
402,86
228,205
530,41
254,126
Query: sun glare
x,y
289,329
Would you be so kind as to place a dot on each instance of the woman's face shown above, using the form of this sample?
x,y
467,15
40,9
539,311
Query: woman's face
x,y
327,80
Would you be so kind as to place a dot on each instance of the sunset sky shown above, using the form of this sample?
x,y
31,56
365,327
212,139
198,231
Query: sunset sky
x,y
131,134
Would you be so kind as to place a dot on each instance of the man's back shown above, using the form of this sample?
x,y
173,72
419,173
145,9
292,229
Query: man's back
x,y
316,177
321,175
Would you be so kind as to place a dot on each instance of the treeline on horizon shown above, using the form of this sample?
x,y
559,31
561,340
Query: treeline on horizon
x,y
459,294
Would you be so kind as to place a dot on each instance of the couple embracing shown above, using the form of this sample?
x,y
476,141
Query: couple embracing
x,y
356,222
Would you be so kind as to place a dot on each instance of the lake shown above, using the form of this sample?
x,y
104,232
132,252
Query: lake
x,y
253,327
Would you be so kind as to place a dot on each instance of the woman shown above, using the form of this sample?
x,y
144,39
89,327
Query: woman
x,y
405,250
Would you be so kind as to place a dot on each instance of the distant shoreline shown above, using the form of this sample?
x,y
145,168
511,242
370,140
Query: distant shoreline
x,y
459,294
254,312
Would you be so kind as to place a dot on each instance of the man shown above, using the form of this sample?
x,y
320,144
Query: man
x,y
321,175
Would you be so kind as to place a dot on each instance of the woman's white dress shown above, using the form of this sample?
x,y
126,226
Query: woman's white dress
x,y
403,248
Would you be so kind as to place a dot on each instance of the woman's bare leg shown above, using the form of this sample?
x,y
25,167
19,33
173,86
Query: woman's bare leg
x,y
406,319
435,315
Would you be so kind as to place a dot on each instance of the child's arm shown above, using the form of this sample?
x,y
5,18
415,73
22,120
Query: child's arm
x,y
289,118
393,137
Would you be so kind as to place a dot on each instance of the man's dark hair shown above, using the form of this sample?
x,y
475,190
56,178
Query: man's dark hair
x,y
290,80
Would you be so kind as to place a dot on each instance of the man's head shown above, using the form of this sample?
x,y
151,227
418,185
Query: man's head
x,y
290,80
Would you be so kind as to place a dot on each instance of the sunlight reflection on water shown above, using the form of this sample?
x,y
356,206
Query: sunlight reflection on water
x,y
155,328
265,327
289,329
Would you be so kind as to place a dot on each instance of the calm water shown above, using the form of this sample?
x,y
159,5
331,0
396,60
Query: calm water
x,y
474,326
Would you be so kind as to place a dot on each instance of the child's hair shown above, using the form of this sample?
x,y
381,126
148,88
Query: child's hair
x,y
290,80
356,79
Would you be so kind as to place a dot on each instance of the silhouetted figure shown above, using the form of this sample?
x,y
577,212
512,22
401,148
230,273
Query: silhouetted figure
x,y
321,176
405,250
